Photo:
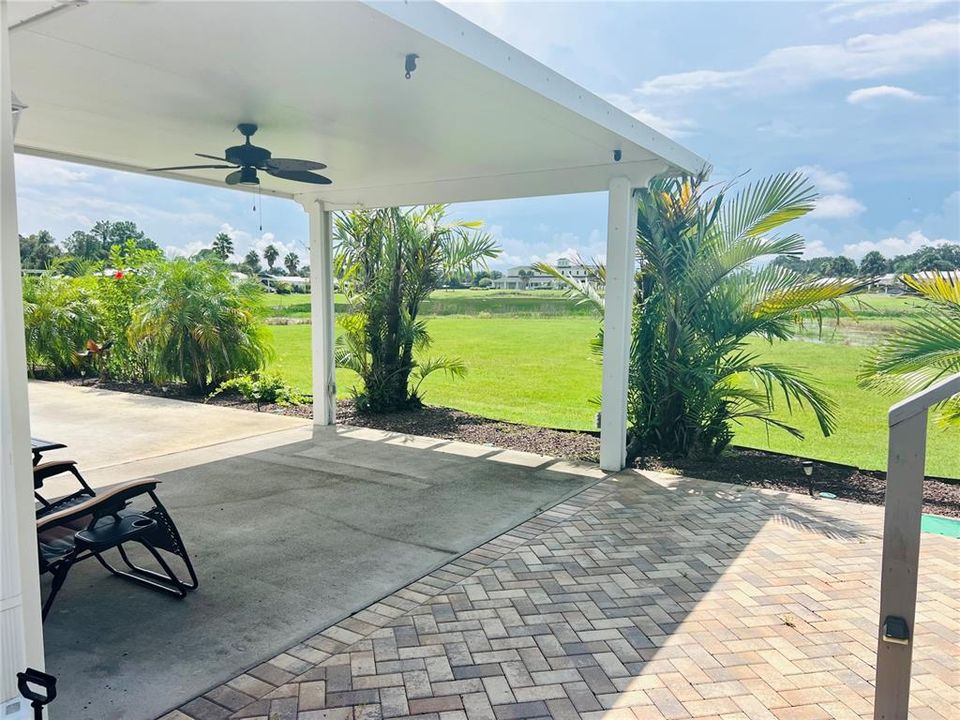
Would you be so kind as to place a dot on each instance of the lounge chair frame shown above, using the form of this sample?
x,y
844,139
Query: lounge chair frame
x,y
105,522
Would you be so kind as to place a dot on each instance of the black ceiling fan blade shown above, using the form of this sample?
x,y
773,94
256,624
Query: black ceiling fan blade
x,y
193,167
211,157
300,176
234,178
293,164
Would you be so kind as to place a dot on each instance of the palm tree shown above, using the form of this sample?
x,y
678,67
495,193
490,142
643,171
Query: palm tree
x,y
924,350
270,254
251,261
389,261
199,326
292,263
700,297
223,246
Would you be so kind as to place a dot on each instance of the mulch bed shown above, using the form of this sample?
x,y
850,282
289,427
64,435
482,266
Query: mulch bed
x,y
742,466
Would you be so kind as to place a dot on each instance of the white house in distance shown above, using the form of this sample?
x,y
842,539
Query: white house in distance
x,y
512,279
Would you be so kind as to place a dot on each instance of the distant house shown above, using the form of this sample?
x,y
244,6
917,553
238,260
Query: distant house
x,y
298,284
526,277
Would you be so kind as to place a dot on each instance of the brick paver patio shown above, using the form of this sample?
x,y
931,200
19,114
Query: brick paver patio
x,y
635,599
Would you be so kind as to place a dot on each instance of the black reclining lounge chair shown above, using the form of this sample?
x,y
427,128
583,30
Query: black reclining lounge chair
x,y
84,525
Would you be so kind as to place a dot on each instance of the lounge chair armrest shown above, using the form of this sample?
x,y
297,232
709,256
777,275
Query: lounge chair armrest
x,y
50,468
108,501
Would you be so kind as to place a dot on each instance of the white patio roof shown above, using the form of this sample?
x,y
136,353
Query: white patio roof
x,y
137,85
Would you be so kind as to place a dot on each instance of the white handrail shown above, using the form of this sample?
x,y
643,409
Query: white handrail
x,y
925,399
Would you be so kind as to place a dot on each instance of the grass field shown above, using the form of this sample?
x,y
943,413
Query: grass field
x,y
539,370
547,303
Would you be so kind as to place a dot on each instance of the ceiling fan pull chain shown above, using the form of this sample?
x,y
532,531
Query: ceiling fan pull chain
x,y
260,205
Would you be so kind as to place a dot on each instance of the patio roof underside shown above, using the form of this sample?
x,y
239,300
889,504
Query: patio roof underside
x,y
141,85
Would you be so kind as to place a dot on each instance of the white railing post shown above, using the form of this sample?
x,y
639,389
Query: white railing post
x,y
21,633
617,322
903,506
322,313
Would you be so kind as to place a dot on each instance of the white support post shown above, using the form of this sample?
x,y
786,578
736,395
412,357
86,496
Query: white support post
x,y
901,560
322,313
20,624
900,563
621,267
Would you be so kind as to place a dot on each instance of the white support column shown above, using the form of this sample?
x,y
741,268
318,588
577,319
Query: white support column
x,y
20,625
621,266
903,504
900,561
322,313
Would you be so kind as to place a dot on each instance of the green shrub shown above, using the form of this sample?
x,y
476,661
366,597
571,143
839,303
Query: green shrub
x,y
197,325
262,388
60,314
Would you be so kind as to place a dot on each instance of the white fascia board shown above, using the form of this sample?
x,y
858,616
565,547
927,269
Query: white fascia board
x,y
540,183
446,27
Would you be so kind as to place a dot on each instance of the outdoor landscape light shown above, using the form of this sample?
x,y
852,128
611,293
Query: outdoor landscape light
x,y
807,467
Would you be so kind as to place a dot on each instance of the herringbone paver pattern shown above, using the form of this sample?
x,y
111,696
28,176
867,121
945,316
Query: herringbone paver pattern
x,y
632,600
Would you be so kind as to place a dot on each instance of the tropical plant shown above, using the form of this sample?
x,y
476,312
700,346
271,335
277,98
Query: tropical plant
x,y
270,254
261,388
118,291
291,262
701,294
223,246
59,316
389,262
199,326
925,349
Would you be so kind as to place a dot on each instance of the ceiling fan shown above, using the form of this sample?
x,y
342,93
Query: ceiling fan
x,y
247,159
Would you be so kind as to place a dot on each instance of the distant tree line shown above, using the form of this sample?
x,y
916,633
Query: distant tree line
x,y
941,257
41,250
480,278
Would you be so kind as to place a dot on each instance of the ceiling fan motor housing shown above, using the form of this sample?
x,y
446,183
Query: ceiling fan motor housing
x,y
248,155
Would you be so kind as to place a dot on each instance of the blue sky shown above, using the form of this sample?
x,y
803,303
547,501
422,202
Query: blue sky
x,y
864,96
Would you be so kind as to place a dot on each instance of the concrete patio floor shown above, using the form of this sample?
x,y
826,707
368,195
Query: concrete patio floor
x,y
641,597
290,530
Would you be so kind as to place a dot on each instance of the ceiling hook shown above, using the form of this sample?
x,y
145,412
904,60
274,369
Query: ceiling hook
x,y
410,64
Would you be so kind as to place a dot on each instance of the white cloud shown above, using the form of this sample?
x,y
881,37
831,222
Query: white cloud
x,y
672,127
861,10
825,180
893,246
188,250
563,244
836,206
787,69
879,92
833,203
816,248
40,172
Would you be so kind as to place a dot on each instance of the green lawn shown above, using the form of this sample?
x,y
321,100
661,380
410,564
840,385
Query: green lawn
x,y
531,370
540,371
479,303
